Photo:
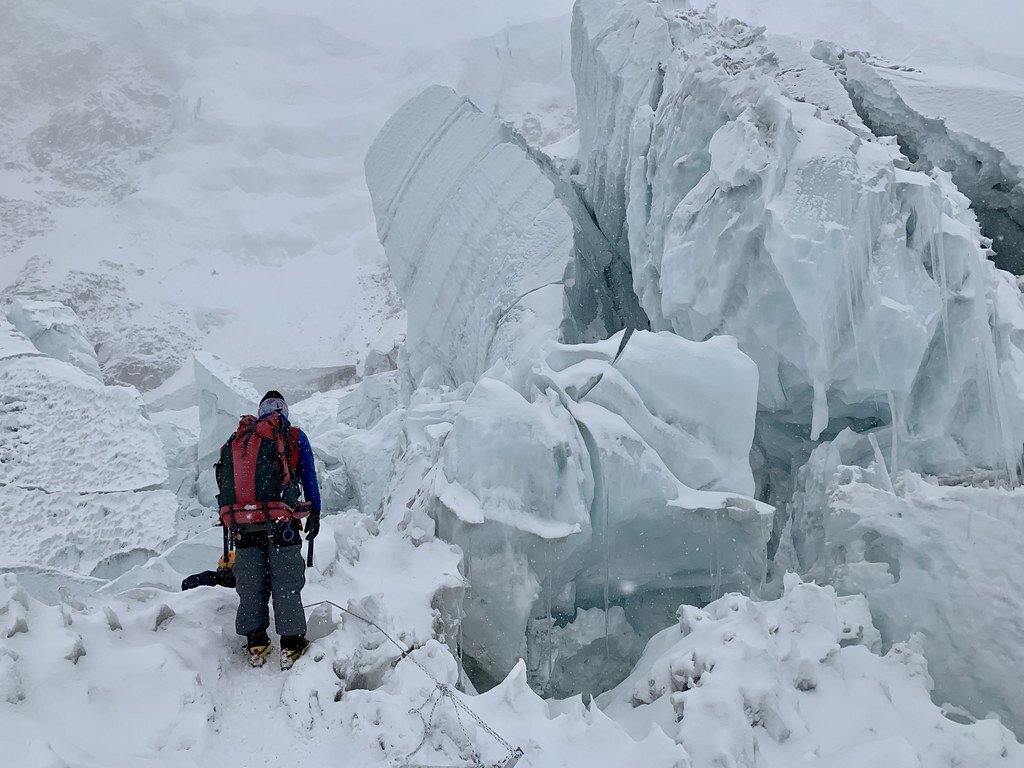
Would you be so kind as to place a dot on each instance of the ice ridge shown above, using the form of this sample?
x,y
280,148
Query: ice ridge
x,y
756,203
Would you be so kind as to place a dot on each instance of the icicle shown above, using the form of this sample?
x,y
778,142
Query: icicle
x,y
819,410
880,463
607,576
894,450
939,269
549,649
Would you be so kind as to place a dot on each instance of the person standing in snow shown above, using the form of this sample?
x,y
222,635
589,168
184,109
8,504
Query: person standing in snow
x,y
262,470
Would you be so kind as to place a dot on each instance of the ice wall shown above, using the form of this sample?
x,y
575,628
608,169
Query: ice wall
x,y
591,486
570,483
451,194
81,470
967,122
491,254
57,331
754,202
941,560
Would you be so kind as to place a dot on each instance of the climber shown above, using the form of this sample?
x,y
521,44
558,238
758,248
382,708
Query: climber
x,y
262,469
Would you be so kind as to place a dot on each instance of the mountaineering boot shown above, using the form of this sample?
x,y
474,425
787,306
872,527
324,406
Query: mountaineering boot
x,y
292,648
258,645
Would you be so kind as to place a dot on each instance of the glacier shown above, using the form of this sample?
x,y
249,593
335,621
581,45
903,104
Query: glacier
x,y
736,184
559,466
742,331
754,202
967,122
892,537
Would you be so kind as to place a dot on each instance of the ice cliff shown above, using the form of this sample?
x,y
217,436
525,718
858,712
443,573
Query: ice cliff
x,y
488,255
755,202
796,271
579,475
964,120
94,511
835,214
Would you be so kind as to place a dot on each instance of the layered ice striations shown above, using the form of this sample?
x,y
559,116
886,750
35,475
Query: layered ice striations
x,y
489,255
754,202
451,192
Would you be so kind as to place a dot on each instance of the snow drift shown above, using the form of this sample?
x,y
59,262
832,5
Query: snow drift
x,y
940,560
792,682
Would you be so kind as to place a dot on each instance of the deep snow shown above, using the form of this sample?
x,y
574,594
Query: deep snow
x,y
176,175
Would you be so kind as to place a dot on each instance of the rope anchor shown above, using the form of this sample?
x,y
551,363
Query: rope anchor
x,y
443,691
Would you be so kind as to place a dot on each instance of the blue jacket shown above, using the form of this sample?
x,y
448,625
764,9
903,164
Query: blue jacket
x,y
307,471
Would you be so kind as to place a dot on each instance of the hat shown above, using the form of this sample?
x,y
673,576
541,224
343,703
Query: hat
x,y
273,401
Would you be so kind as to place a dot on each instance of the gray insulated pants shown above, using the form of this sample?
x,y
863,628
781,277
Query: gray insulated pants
x,y
266,571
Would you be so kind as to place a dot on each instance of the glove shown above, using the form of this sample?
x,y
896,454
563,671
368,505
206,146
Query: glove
x,y
312,525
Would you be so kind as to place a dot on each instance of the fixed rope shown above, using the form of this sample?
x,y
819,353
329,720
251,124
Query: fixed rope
x,y
443,691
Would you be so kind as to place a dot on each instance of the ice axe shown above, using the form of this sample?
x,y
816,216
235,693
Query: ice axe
x,y
593,382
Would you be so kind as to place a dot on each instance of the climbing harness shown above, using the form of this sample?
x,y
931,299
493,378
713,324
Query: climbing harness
x,y
441,691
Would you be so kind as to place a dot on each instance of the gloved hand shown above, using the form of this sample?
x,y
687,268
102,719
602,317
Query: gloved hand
x,y
312,525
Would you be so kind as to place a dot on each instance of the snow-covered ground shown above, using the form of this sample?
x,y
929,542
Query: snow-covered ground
x,y
774,525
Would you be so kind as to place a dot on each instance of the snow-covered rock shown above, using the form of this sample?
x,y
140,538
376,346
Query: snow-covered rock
x,y
755,203
941,560
797,681
57,331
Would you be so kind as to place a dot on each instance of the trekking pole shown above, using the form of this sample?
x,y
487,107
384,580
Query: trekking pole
x,y
309,553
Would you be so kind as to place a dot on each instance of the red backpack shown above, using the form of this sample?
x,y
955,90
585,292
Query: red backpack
x,y
257,474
